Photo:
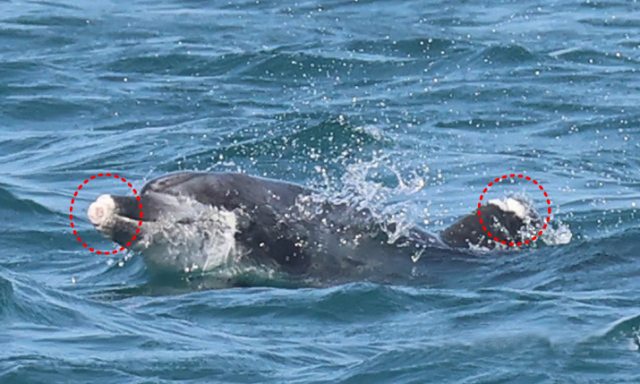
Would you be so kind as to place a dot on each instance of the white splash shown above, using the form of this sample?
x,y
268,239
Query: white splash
x,y
359,190
202,238
510,204
556,233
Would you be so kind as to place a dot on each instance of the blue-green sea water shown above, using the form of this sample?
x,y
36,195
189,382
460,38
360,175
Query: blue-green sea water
x,y
418,103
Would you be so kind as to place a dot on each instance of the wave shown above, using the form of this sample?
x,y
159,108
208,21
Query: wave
x,y
295,65
6,295
10,202
30,302
177,64
329,141
44,108
507,55
593,58
407,48
50,20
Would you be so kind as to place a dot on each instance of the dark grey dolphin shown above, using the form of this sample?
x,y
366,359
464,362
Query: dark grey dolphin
x,y
200,221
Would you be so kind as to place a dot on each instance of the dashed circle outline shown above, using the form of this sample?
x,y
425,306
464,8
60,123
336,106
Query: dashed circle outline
x,y
71,213
527,241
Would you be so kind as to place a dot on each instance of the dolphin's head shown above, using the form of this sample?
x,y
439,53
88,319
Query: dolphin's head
x,y
173,233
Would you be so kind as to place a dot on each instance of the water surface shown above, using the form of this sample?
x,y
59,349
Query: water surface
x,y
447,95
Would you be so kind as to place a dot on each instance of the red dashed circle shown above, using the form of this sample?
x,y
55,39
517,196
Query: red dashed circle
x,y
527,241
71,213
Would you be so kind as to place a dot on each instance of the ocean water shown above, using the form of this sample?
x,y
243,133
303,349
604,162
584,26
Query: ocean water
x,y
418,104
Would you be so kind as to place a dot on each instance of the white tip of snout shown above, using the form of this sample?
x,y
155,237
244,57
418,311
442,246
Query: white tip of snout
x,y
101,209
511,205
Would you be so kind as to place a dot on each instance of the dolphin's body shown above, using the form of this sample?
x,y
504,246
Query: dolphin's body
x,y
200,221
